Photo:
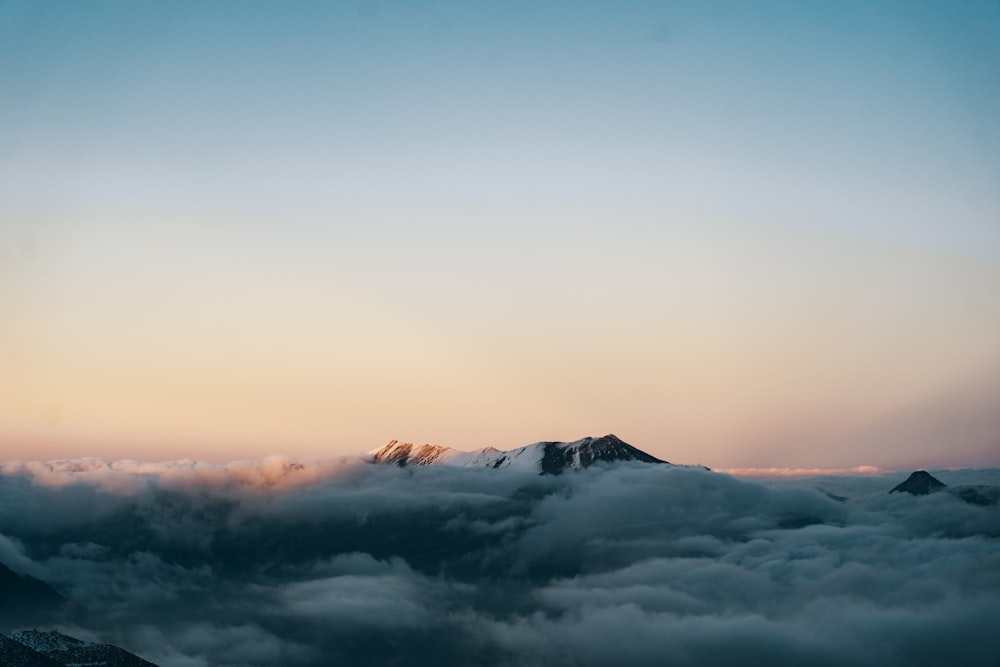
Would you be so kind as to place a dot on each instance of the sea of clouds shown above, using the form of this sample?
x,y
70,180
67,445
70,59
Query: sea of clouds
x,y
276,562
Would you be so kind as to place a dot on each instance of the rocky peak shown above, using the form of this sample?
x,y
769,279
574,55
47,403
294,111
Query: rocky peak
x,y
919,483
406,453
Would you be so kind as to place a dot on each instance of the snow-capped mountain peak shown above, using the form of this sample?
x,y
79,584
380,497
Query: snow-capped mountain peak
x,y
406,453
549,458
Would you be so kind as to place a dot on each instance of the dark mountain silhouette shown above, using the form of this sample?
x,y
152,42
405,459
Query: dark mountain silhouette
x,y
922,483
919,483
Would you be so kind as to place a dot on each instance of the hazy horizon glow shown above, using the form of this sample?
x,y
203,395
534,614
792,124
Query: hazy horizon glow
x,y
743,236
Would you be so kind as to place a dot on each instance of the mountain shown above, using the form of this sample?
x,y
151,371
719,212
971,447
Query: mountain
x,y
25,598
922,483
16,654
405,453
546,458
919,483
59,649
982,495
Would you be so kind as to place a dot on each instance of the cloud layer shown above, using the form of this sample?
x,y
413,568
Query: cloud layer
x,y
314,563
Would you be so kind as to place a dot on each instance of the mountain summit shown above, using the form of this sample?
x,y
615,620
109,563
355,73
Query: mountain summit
x,y
922,483
919,483
546,458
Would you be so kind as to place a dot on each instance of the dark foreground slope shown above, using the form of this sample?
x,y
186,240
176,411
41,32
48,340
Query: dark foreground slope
x,y
16,654
54,648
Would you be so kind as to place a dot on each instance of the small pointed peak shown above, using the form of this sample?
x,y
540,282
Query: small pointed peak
x,y
919,483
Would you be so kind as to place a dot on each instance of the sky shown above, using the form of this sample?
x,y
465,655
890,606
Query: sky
x,y
738,234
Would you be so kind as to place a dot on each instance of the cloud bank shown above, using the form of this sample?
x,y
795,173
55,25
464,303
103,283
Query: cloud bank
x,y
278,562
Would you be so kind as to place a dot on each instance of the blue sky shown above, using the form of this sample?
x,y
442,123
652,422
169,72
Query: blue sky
x,y
735,231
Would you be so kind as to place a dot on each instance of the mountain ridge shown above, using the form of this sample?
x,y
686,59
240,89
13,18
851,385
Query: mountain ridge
x,y
546,457
47,648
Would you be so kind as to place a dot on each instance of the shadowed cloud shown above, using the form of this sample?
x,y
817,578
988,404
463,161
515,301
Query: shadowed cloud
x,y
635,563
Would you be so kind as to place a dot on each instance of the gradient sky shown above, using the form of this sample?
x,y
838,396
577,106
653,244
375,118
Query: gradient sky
x,y
740,234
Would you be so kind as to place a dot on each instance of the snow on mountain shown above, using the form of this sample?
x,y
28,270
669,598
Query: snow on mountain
x,y
550,458
45,642
405,453
16,654
55,648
